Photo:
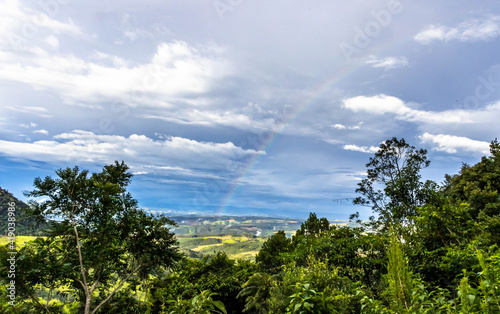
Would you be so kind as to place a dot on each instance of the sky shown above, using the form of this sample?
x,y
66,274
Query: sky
x,y
244,107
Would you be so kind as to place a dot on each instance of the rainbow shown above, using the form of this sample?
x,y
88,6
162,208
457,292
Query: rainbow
x,y
297,110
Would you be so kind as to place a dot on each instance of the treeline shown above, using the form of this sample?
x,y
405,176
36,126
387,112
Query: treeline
x,y
428,248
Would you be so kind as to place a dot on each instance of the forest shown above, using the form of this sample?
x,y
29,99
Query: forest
x,y
428,248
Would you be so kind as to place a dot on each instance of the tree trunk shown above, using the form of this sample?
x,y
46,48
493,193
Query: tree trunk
x,y
87,304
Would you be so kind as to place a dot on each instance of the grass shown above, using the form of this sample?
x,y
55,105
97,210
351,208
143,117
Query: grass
x,y
237,247
20,240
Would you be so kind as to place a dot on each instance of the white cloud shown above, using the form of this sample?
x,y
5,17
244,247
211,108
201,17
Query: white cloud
x,y
382,104
339,126
249,117
37,111
52,41
452,144
20,25
143,153
175,70
388,62
470,30
362,149
42,131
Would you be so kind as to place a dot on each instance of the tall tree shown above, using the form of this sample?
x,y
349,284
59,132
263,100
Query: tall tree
x,y
270,257
313,226
393,186
104,239
478,186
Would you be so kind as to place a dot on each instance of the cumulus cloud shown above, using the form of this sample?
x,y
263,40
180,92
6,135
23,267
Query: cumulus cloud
x,y
383,104
339,126
143,153
388,62
42,131
470,30
20,25
452,144
362,149
175,69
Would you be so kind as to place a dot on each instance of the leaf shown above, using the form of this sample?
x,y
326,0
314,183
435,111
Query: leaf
x,y
471,298
296,307
220,306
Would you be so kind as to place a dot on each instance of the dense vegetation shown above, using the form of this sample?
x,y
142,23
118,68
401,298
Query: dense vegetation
x,y
429,248
25,225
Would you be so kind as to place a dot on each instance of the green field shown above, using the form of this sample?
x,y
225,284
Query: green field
x,y
20,240
237,247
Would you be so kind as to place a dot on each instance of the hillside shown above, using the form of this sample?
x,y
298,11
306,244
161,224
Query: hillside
x,y
24,225
235,225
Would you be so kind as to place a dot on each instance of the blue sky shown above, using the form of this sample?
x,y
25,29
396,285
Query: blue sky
x,y
244,107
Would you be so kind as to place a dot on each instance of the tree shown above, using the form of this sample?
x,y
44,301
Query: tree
x,y
270,256
313,226
102,236
393,186
479,187
256,292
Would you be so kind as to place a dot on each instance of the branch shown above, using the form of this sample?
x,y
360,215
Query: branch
x,y
118,287
37,301
82,269
96,280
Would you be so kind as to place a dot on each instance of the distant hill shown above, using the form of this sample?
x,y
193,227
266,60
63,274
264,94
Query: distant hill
x,y
235,225
24,225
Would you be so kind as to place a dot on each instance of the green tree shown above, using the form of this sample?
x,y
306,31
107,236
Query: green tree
x,y
313,226
272,253
218,274
256,292
393,186
202,303
103,238
478,186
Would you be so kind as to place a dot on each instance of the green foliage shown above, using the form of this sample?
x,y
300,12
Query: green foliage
x,y
431,250
218,274
398,276
199,304
313,226
485,296
313,288
98,240
302,301
257,291
392,187
271,256
358,255
478,186
25,224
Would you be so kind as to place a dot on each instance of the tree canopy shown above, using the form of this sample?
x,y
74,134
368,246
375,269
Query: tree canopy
x,y
98,237
431,249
